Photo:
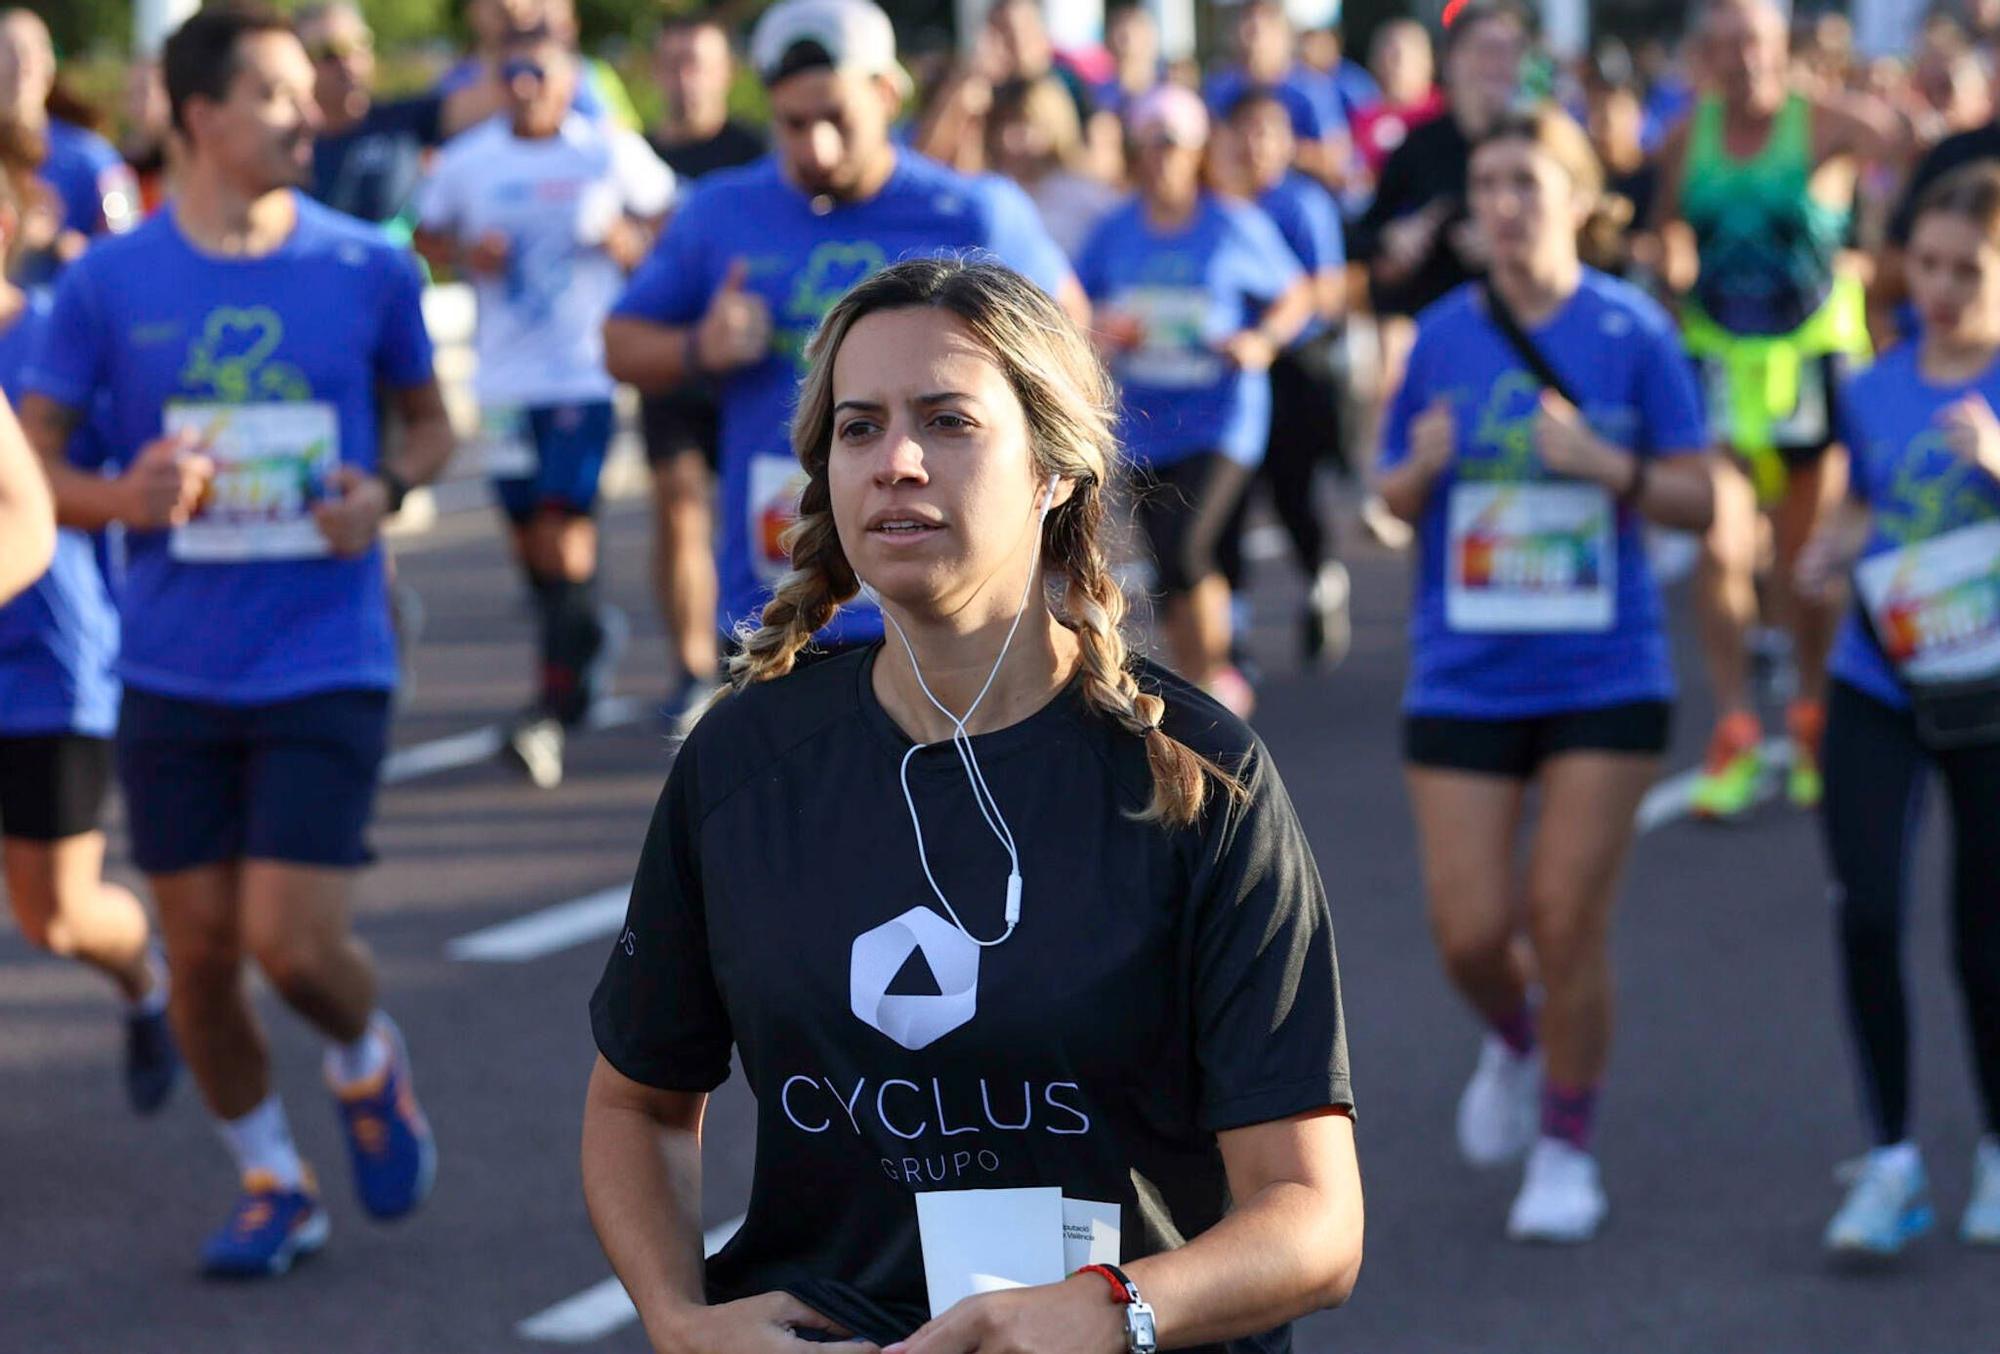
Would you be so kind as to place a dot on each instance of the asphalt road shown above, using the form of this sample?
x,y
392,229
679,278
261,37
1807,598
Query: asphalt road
x,y
1729,1105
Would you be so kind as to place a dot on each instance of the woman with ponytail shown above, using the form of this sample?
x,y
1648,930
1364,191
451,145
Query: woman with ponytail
x,y
1006,927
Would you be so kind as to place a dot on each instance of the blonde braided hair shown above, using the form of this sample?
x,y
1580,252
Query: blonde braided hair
x,y
1070,407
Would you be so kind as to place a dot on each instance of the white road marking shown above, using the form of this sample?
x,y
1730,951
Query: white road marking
x,y
603,1307
561,927
460,750
1668,802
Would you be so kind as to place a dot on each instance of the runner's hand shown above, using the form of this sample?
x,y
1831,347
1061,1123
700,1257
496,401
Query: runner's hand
x,y
1118,330
487,255
165,482
1972,432
1076,1316
1434,437
1250,350
736,331
1568,447
762,1325
627,242
352,521
1821,565
1469,242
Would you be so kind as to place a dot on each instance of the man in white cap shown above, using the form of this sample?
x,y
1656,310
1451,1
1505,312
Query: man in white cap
x,y
758,254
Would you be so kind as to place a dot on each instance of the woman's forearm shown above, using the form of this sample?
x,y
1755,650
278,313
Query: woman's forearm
x,y
1406,488
1291,1250
1679,493
642,1183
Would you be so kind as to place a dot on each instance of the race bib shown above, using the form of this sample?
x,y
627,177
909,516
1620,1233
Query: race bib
x,y
775,485
1936,604
273,462
1173,351
1530,557
506,443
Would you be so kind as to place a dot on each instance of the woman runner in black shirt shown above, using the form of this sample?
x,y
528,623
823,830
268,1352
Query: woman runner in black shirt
x,y
1068,941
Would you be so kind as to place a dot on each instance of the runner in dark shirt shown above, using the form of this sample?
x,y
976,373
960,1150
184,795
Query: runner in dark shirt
x,y
1151,1025
368,160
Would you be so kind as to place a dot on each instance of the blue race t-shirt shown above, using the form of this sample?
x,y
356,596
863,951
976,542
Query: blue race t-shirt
x,y
1916,490
278,359
1306,94
1188,289
1309,219
97,189
801,262
59,639
1533,593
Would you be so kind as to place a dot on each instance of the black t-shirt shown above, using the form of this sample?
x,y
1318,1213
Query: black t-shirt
x,y
372,169
734,145
1162,985
1431,165
1954,152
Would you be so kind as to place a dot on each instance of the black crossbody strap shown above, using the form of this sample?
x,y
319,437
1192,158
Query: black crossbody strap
x,y
1518,339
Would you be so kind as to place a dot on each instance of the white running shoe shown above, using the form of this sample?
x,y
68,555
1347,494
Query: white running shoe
x,y
1982,1214
1499,1112
1561,1200
535,747
1887,1205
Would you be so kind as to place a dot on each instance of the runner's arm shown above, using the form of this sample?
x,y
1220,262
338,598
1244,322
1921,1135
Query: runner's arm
x,y
27,511
647,356
642,1185
1831,553
1863,127
1680,264
84,500
428,440
1291,1246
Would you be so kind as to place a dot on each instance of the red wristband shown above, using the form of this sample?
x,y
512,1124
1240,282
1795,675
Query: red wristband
x,y
1121,1286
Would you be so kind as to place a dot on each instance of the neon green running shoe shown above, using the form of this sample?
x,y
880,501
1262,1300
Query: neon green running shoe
x,y
1727,786
1806,721
1803,784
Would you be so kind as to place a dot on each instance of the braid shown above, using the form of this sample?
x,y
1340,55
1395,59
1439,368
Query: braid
x,y
1094,609
805,599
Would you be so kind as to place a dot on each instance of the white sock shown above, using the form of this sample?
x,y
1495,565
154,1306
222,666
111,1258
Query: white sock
x,y
262,1141
362,1060
155,1001
1901,1156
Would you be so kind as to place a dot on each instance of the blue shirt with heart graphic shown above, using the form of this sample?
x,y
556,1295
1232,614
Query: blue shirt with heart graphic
x,y
801,261
1620,355
1913,484
1189,288
59,639
146,320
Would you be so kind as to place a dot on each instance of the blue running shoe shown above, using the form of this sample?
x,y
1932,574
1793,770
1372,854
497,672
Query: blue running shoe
x,y
1887,1206
152,1061
395,1157
271,1228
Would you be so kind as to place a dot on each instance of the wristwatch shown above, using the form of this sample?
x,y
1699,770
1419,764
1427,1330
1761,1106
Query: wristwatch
x,y
1141,1331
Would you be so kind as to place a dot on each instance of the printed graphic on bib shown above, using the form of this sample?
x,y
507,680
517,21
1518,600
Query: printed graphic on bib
x,y
775,485
273,462
1530,557
916,979
506,444
1173,350
1936,604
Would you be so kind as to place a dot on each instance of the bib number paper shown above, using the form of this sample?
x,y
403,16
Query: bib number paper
x,y
775,485
983,1240
506,446
273,462
1936,604
1173,351
1530,558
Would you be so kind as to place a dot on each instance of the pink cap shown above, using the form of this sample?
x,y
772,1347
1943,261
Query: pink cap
x,y
1172,111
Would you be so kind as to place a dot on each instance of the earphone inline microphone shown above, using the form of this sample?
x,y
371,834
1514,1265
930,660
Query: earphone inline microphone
x,y
961,741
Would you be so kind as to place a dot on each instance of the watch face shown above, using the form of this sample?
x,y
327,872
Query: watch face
x,y
1142,1337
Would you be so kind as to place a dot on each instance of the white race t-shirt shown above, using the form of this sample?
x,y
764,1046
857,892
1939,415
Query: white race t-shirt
x,y
541,322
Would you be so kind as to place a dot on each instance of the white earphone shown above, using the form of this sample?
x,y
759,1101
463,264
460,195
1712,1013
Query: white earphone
x,y
961,740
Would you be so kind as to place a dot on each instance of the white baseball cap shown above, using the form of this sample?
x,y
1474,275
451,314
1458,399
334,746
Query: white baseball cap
x,y
796,35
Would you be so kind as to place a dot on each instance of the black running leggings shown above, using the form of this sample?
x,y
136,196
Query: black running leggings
x,y
1305,431
1875,777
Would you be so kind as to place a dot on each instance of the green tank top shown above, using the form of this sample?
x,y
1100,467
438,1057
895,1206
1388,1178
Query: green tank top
x,y
1767,246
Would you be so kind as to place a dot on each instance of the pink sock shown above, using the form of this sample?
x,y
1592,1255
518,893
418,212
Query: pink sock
x,y
1569,1113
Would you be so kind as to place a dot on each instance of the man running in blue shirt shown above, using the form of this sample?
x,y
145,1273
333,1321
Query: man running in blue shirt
x,y
757,255
237,341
